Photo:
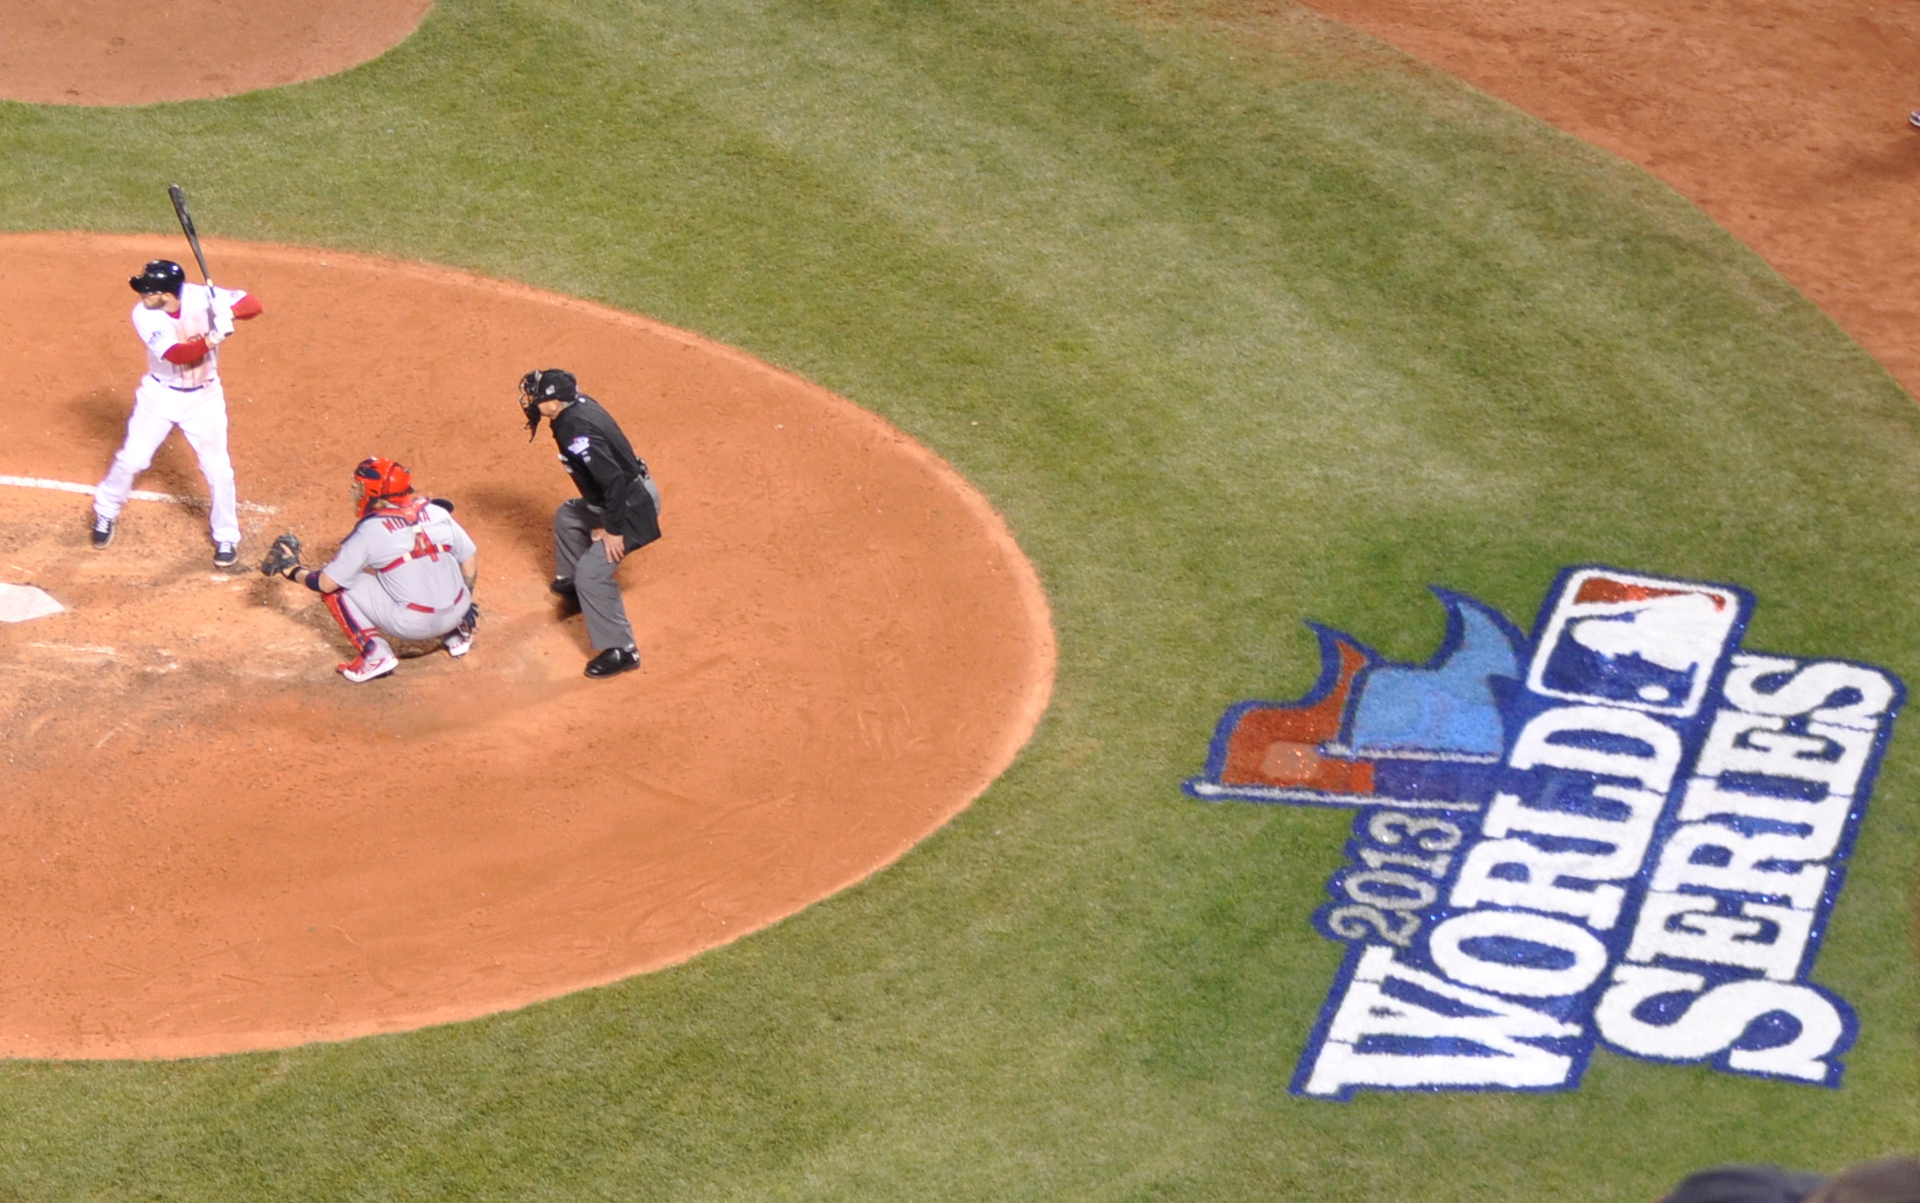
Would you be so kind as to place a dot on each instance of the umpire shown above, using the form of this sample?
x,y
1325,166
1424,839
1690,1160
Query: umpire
x,y
616,514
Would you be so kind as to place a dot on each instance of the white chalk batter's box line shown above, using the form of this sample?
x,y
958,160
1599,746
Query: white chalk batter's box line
x,y
35,482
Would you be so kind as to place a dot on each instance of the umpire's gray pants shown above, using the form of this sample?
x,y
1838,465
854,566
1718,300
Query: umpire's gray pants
x,y
576,556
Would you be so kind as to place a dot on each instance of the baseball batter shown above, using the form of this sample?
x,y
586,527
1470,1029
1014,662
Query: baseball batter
x,y
407,571
182,326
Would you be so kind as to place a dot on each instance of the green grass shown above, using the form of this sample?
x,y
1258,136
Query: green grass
x,y
1250,336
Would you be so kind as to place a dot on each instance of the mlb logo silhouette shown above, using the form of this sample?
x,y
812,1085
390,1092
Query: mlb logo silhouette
x,y
1638,642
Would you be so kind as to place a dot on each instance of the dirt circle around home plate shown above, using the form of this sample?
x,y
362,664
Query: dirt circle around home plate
x,y
126,52
209,842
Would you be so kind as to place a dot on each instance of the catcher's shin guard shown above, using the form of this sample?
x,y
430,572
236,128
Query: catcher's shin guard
x,y
376,659
358,633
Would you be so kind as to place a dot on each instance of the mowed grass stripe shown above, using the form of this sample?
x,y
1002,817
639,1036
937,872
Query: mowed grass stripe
x,y
1250,336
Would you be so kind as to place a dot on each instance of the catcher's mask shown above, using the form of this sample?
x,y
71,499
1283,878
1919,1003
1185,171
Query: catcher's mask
x,y
547,384
381,479
161,275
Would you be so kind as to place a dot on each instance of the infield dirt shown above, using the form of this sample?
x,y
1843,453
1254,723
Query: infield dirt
x,y
210,842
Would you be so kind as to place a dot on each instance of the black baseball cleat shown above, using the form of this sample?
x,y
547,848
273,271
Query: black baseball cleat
x,y
613,661
562,586
226,555
102,532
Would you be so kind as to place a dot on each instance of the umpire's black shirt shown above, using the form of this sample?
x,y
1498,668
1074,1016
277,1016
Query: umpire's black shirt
x,y
606,471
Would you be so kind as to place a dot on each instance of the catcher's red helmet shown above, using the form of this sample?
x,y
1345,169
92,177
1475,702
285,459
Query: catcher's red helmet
x,y
381,479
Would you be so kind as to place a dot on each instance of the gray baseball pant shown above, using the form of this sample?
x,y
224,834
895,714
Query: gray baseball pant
x,y
576,556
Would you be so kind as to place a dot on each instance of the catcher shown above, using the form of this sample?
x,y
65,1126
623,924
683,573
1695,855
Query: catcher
x,y
406,571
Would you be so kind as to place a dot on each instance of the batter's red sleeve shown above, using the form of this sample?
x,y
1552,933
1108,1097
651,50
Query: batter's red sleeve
x,y
247,307
188,353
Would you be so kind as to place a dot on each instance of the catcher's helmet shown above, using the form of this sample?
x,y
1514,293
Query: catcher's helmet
x,y
547,384
381,479
161,275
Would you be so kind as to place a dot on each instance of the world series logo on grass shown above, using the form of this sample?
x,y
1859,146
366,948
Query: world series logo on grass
x,y
1625,830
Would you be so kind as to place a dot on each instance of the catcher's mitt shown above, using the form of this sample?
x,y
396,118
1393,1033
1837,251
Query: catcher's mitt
x,y
283,557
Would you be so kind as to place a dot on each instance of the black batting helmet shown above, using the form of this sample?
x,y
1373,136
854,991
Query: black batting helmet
x,y
547,384
161,275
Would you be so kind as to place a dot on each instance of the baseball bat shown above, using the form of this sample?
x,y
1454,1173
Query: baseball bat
x,y
186,227
179,199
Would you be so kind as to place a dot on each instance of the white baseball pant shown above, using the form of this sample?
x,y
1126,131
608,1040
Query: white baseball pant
x,y
372,606
201,415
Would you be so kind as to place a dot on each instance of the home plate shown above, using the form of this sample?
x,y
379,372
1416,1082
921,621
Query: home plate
x,y
21,602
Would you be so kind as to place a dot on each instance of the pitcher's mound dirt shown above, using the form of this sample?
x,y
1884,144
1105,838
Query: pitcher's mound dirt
x,y
209,842
109,52
1786,120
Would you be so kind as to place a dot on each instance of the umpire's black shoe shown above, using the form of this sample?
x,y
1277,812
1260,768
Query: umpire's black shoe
x,y
563,586
102,532
613,661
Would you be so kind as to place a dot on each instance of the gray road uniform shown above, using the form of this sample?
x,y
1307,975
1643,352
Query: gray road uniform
x,y
617,494
399,572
